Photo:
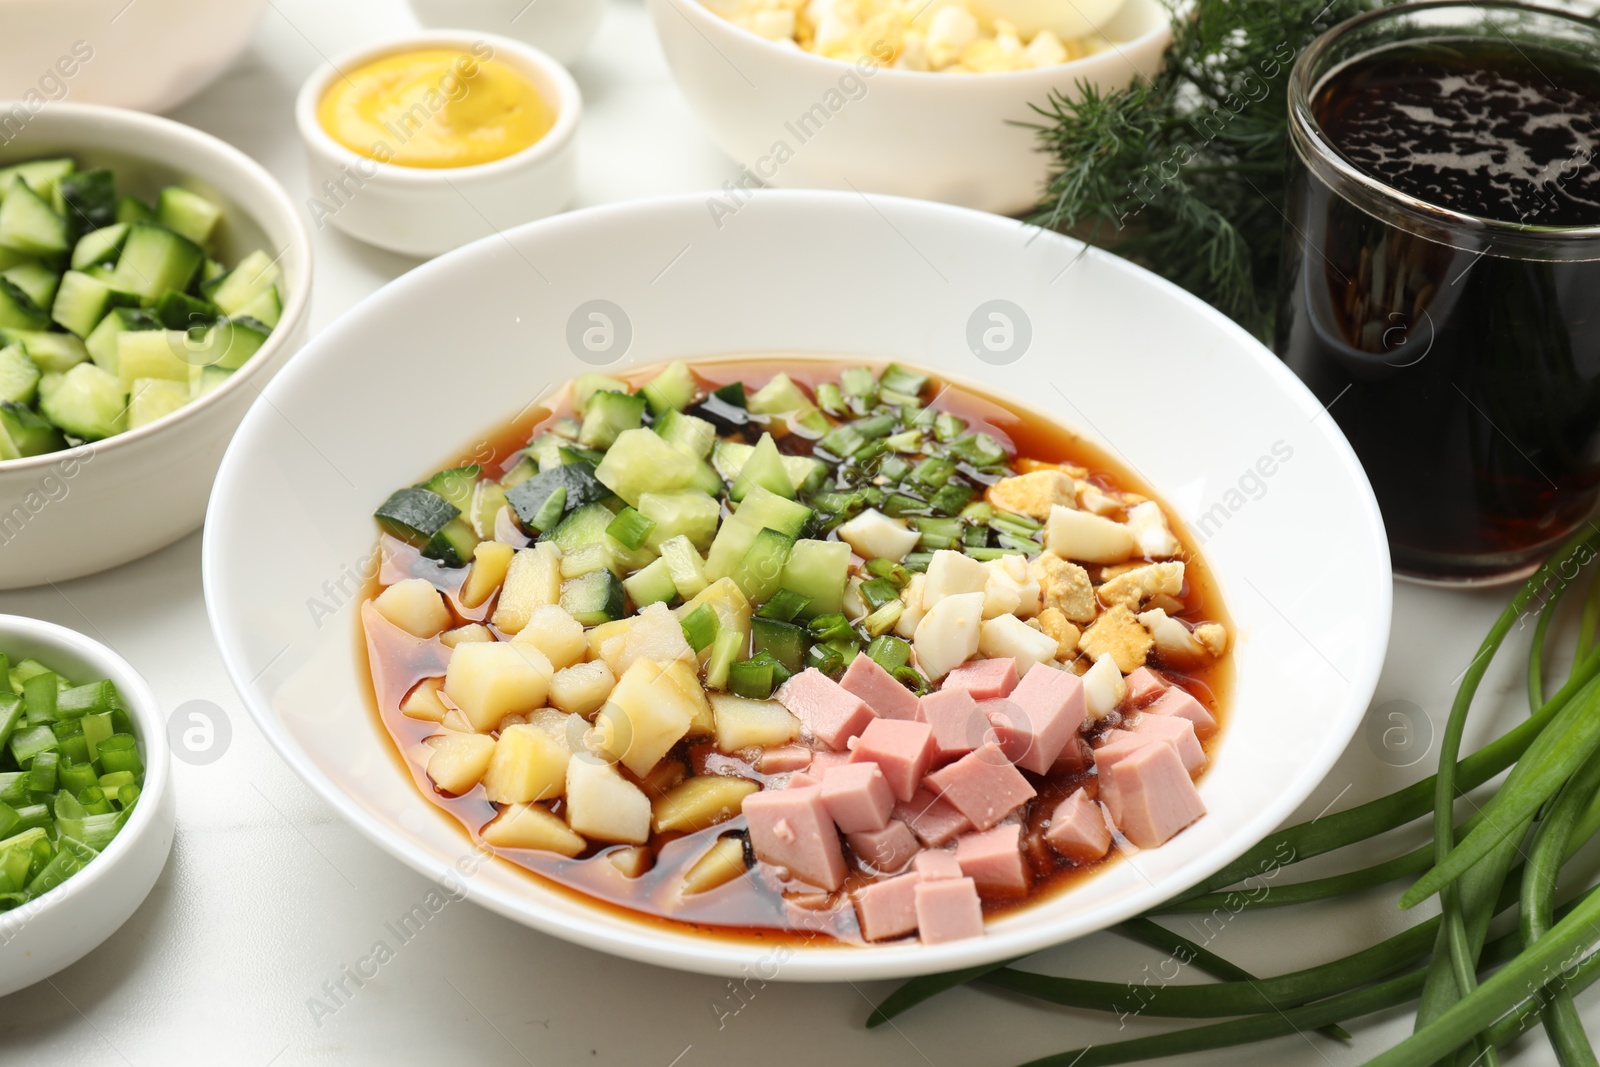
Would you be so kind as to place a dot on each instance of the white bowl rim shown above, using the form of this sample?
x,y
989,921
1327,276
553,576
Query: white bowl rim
x,y
140,704
294,307
664,946
569,107
1071,67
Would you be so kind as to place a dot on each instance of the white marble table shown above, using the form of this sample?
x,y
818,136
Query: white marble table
x,y
268,898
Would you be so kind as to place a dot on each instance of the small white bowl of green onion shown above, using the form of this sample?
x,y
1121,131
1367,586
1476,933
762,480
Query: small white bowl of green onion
x,y
86,808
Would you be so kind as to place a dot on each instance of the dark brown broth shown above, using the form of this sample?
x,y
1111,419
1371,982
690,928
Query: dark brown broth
x,y
752,909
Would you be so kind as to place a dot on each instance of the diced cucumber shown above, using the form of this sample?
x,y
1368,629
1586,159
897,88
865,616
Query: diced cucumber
x,y
30,225
583,527
487,499
688,570
154,398
594,598
453,545
99,247
89,198
35,279
188,213
89,403
652,585
785,641
19,378
520,471
819,570
57,352
607,415
43,175
763,467
671,390
759,511
684,512
153,354
131,209
82,302
586,385
231,342
641,462
729,646
694,435
48,382
18,311
266,309
24,432
155,259
528,497
760,573
414,515
586,560
805,473
781,396
455,485
179,311
102,340
209,379
545,450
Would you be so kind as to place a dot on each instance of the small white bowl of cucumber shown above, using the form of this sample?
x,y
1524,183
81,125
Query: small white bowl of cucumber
x,y
152,278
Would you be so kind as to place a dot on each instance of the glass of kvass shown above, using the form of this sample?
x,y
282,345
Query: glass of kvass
x,y
1441,283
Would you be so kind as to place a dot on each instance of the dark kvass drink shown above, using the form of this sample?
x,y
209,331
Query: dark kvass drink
x,y
1441,289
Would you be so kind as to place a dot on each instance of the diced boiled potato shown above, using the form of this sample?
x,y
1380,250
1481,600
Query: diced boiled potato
x,y
607,641
1103,688
948,634
532,578
634,861
657,636
743,723
722,863
531,826
459,760
663,777
728,601
415,606
454,720
644,718
490,561
490,681
1149,525
951,574
473,631
701,801
553,631
582,687
604,806
423,701
684,675
528,764
1008,637
566,729
1173,638
913,611
1080,535
873,534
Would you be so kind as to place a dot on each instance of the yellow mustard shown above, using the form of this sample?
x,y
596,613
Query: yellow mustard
x,y
435,108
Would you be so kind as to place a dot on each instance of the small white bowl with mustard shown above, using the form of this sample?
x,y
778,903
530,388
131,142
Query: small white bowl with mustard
x,y
425,143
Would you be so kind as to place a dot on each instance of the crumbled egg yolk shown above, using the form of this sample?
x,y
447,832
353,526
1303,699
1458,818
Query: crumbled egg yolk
x,y
947,35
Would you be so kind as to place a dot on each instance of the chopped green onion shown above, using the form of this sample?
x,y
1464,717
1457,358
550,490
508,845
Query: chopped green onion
x,y
96,728
933,472
829,399
842,441
893,468
952,498
901,380
12,711
826,659
883,619
878,591
629,528
917,562
700,627
757,676
908,677
30,741
879,567
728,644
75,777
872,427
1024,545
984,555
81,700
42,774
784,606
947,427
832,627
890,653
978,449
120,752
39,693
1010,522
549,514
905,441
898,504
127,796
858,383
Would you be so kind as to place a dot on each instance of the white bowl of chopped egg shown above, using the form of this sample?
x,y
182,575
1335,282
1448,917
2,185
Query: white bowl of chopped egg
x,y
929,100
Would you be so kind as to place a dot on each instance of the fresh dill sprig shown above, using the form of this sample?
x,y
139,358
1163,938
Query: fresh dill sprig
x,y
1185,173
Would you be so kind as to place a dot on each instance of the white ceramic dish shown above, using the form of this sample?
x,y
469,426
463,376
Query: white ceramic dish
x,y
948,137
151,55
46,935
422,212
152,482
561,28
1299,552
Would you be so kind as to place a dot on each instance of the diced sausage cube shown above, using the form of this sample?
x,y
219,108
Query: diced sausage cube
x,y
937,863
982,785
889,908
948,909
1150,795
1042,714
934,821
903,750
823,762
1144,685
791,828
887,850
993,859
799,780
886,697
1078,829
1178,702
959,725
857,797
1076,758
985,679
787,758
828,710
1176,731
